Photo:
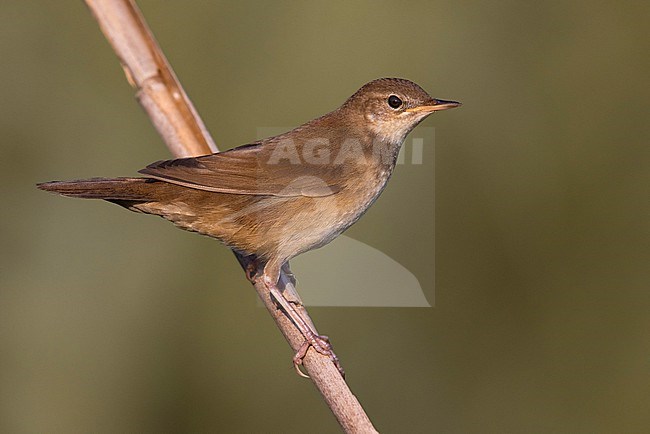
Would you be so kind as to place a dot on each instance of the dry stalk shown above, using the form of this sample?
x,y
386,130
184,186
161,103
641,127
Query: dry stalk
x,y
174,117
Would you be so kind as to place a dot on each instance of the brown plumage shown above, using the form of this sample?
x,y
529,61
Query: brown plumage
x,y
286,194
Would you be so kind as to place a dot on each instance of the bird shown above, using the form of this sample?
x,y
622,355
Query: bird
x,y
284,195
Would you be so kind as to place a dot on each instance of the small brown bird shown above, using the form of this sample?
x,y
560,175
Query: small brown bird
x,y
283,195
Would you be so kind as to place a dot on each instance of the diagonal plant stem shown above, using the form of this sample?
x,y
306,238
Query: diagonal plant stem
x,y
176,120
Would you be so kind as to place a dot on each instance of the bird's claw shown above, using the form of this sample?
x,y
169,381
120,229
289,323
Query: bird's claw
x,y
322,345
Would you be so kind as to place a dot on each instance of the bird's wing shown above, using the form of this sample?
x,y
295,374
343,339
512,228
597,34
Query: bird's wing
x,y
250,169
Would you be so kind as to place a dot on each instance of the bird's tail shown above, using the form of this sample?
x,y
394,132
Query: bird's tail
x,y
119,190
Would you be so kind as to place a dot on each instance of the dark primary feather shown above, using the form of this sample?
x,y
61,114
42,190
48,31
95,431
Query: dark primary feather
x,y
271,169
104,188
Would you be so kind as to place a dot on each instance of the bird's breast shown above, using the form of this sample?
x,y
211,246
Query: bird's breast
x,y
360,193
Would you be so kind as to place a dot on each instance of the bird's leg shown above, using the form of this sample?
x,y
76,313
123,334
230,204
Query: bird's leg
x,y
251,271
250,264
312,339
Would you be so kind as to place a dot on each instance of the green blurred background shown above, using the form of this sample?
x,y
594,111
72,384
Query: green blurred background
x,y
114,322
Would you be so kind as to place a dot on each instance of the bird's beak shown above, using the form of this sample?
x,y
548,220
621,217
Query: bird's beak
x,y
434,105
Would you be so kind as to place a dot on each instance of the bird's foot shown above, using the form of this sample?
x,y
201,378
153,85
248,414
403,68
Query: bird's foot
x,y
251,271
321,344
312,339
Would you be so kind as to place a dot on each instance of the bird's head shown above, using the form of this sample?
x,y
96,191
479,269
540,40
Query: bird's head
x,y
391,107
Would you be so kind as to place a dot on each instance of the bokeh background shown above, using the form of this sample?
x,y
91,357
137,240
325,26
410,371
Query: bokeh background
x,y
114,322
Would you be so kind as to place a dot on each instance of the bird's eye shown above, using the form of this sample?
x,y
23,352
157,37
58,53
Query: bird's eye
x,y
394,101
